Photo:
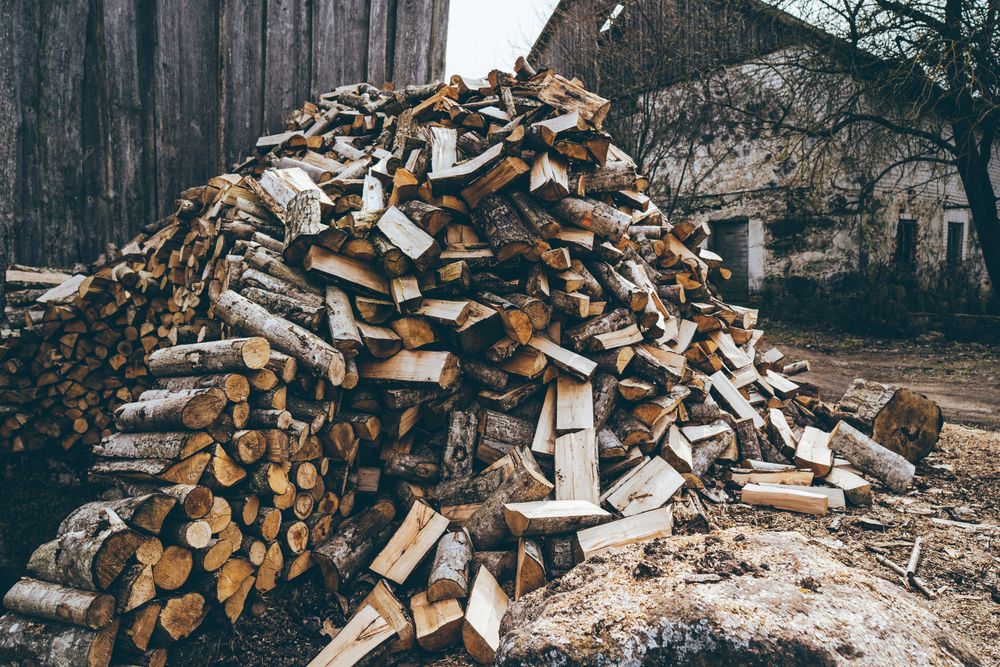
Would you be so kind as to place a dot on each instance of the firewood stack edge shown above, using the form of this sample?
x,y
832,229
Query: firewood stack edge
x,y
436,335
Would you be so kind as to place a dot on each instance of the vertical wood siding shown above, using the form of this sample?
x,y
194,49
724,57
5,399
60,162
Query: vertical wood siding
x,y
108,108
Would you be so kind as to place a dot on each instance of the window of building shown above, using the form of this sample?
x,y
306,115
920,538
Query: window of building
x,y
906,242
956,243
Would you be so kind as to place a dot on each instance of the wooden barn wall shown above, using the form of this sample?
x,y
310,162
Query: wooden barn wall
x,y
108,108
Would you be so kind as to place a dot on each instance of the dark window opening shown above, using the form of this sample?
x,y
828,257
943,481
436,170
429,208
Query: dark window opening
x,y
956,241
906,242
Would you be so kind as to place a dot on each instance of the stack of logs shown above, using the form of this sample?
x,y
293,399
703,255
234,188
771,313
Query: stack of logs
x,y
474,354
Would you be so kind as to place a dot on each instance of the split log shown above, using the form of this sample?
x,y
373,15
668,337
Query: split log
x,y
419,532
438,623
487,605
487,526
530,574
354,544
549,517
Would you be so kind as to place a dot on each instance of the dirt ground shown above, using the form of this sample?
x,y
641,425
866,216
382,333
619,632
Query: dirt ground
x,y
963,378
954,507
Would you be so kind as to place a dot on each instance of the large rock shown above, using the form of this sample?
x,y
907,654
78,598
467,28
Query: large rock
x,y
732,598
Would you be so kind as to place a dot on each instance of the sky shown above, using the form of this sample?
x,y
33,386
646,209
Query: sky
x,y
490,34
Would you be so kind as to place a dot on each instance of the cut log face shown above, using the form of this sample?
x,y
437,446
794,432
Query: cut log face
x,y
898,419
486,607
438,623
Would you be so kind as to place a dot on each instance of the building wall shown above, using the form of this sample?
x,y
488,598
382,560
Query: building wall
x,y
111,107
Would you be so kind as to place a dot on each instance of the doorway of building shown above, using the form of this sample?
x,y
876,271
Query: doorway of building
x,y
730,240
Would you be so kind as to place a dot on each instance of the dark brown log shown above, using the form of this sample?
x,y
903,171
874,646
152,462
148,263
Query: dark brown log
x,y
502,225
354,544
526,482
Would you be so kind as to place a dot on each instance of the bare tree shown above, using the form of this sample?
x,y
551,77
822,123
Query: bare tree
x,y
914,84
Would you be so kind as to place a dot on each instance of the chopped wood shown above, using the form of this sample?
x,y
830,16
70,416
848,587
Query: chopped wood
x,y
794,499
486,607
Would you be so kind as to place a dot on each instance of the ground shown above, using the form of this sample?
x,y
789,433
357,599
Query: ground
x,y
963,378
956,482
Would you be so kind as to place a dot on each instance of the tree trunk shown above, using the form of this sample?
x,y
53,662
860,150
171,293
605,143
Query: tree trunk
x,y
973,169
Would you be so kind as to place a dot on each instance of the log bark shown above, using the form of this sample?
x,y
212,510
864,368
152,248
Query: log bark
x,y
25,640
594,216
309,349
354,544
503,227
871,457
340,318
456,463
194,409
222,356
898,419
90,560
146,513
59,603
449,578
487,526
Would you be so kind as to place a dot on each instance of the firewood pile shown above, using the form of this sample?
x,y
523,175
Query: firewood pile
x,y
435,338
